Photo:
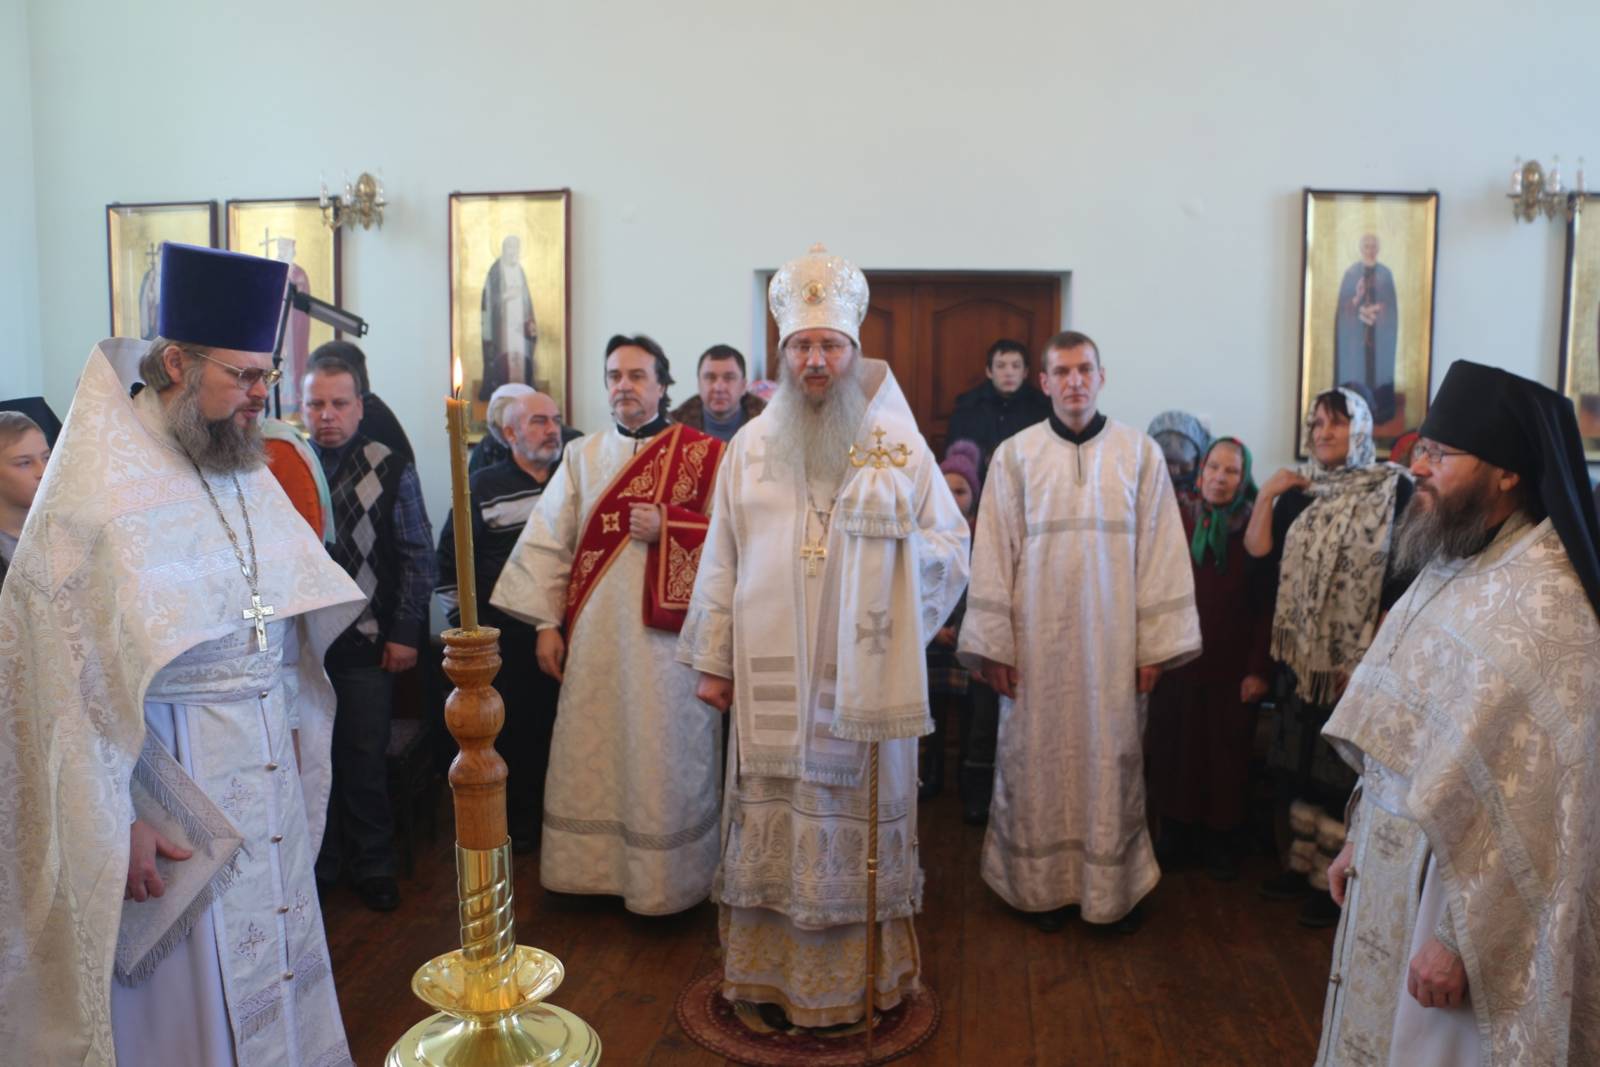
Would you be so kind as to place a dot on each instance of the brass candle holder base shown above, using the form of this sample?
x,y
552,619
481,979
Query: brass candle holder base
x,y
542,1035
489,993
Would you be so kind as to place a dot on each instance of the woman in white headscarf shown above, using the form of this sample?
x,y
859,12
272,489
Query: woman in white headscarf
x,y
1328,523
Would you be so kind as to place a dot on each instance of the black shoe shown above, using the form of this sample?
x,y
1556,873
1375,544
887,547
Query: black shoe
x,y
379,893
1052,922
1319,911
1130,923
1290,885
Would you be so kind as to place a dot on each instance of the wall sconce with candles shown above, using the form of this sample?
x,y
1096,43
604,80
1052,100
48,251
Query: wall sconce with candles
x,y
1535,190
361,203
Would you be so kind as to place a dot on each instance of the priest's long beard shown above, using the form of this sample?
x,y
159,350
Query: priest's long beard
x,y
218,446
824,429
1457,526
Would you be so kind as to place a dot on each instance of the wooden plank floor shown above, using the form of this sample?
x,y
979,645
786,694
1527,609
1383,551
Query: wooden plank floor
x,y
1216,976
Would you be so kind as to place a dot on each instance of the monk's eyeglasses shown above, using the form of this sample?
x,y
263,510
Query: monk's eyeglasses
x,y
1434,452
248,376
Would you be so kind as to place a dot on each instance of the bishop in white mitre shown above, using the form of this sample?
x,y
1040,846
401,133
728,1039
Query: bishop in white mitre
x,y
1082,593
835,553
161,681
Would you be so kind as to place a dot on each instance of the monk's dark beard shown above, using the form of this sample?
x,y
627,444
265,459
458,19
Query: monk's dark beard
x,y
821,431
218,446
1457,526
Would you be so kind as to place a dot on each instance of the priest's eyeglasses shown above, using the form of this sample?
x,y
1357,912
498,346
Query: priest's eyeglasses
x,y
248,376
829,349
1435,453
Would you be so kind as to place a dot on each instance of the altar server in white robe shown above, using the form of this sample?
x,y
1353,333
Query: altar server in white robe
x,y
1082,593
161,636
1470,931
835,553
603,569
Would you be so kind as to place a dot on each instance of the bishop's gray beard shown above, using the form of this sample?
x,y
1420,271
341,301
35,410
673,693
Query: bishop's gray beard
x,y
822,431
217,446
1455,527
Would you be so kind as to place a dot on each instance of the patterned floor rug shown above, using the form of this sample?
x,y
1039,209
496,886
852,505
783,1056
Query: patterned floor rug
x,y
739,1033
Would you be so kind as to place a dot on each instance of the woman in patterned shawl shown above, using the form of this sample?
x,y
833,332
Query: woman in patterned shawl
x,y
1327,525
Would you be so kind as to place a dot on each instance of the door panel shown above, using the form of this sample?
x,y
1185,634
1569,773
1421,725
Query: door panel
x,y
956,326
889,330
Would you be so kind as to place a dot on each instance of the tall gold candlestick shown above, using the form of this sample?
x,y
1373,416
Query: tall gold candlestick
x,y
490,992
455,410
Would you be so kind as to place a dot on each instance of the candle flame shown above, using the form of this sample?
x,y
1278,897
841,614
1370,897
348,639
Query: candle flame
x,y
455,377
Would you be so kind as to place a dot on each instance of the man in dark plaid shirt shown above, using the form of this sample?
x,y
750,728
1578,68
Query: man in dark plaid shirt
x,y
383,540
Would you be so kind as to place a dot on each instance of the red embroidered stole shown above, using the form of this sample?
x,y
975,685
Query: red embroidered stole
x,y
675,472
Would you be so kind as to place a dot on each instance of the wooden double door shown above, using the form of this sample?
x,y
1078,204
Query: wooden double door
x,y
935,329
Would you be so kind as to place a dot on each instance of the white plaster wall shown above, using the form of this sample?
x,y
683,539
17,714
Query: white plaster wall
x,y
1156,151
21,369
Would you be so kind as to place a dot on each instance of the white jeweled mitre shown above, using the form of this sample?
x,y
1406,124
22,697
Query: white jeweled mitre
x,y
818,291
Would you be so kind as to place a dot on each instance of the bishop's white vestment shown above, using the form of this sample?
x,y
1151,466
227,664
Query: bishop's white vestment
x,y
1080,576
122,618
1475,719
825,653
630,802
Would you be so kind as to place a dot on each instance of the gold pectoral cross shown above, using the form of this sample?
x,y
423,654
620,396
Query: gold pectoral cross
x,y
814,553
259,613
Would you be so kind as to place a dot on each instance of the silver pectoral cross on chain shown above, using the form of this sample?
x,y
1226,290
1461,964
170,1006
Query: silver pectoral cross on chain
x,y
258,613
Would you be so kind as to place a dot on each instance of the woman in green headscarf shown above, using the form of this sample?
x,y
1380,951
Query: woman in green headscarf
x,y
1202,715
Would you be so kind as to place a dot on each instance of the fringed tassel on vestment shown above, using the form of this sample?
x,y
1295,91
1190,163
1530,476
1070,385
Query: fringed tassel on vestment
x,y
155,772
180,929
854,725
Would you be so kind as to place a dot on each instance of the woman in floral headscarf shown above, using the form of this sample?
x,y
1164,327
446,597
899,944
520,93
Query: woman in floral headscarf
x,y
1203,714
1328,525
